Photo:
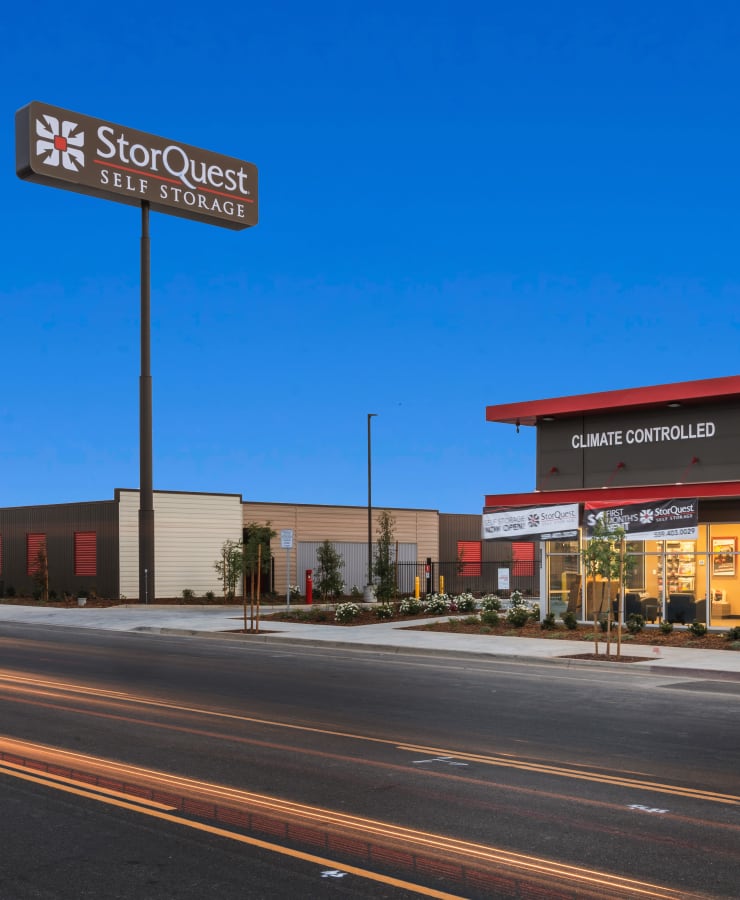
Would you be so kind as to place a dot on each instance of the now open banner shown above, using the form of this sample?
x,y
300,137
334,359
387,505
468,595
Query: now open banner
x,y
532,523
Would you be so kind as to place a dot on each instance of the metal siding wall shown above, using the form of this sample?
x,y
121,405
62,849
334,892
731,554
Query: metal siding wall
x,y
189,530
339,524
354,571
59,523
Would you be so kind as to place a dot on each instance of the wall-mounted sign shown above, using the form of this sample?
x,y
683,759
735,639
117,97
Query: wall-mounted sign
x,y
68,150
535,523
688,444
651,521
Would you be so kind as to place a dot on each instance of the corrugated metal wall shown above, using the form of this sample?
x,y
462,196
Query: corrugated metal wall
x,y
59,523
494,555
354,571
189,531
340,525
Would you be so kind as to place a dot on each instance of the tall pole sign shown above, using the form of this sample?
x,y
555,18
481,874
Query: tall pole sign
x,y
75,152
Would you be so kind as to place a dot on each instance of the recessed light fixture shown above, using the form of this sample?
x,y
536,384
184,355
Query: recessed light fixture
x,y
674,405
548,418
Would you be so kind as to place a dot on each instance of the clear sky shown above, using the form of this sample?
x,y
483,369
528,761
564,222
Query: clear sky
x,y
461,204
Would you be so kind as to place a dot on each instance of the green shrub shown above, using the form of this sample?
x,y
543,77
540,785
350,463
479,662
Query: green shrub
x,y
210,595
490,603
548,623
570,620
486,629
437,604
465,602
188,594
384,611
698,629
735,645
453,624
409,606
346,612
534,612
518,616
471,620
635,623
490,617
666,627
734,633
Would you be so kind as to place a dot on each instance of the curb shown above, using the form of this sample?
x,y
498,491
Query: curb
x,y
637,668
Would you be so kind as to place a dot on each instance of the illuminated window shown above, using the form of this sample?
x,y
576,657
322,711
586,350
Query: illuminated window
x,y
86,553
469,557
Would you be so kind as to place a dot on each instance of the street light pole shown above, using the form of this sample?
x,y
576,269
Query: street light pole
x,y
368,589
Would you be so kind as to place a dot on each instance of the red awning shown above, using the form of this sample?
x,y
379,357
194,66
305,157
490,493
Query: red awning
x,y
685,392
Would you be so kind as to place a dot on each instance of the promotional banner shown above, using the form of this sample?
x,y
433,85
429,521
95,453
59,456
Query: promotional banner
x,y
541,523
655,520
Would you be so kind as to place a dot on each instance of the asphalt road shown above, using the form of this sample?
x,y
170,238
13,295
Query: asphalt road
x,y
288,771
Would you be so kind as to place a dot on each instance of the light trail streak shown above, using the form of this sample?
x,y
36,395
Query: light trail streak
x,y
481,854
49,688
147,810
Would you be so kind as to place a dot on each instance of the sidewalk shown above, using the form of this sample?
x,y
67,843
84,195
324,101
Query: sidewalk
x,y
388,637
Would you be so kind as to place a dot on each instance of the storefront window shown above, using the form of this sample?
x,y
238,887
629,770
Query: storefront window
x,y
677,580
563,578
724,575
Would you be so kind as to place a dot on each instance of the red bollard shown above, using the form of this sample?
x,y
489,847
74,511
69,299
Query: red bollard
x,y
309,586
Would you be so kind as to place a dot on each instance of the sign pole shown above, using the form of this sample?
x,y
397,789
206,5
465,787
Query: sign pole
x,y
146,490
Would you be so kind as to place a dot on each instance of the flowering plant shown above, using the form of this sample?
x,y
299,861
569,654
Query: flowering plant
x,y
346,612
409,606
437,604
490,603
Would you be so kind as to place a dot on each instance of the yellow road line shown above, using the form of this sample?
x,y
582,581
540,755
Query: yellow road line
x,y
245,839
472,852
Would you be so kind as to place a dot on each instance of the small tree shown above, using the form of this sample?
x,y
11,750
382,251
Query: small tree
x,y
257,553
604,557
229,566
329,581
384,567
41,572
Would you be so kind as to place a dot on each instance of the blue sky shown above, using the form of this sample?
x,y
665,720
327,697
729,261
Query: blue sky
x,y
461,204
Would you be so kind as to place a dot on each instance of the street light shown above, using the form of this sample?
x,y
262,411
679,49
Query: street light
x,y
369,588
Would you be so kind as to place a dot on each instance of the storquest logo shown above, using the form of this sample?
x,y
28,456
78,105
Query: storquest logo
x,y
647,516
69,150
61,142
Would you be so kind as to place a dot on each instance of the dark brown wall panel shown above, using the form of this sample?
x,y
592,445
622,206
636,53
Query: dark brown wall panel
x,y
59,523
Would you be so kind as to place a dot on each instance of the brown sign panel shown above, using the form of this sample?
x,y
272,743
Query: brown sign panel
x,y
690,444
68,150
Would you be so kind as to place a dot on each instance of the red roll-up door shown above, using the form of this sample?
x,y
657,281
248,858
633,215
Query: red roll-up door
x,y
469,556
34,544
522,555
86,553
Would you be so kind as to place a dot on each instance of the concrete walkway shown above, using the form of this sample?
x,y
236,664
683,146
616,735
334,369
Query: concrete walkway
x,y
225,621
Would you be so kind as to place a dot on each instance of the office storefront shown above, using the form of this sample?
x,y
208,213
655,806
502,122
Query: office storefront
x,y
638,454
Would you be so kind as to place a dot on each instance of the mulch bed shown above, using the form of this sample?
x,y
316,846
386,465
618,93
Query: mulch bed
x,y
679,637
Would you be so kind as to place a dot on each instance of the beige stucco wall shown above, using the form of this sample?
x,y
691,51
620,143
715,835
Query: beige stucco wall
x,y
189,531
